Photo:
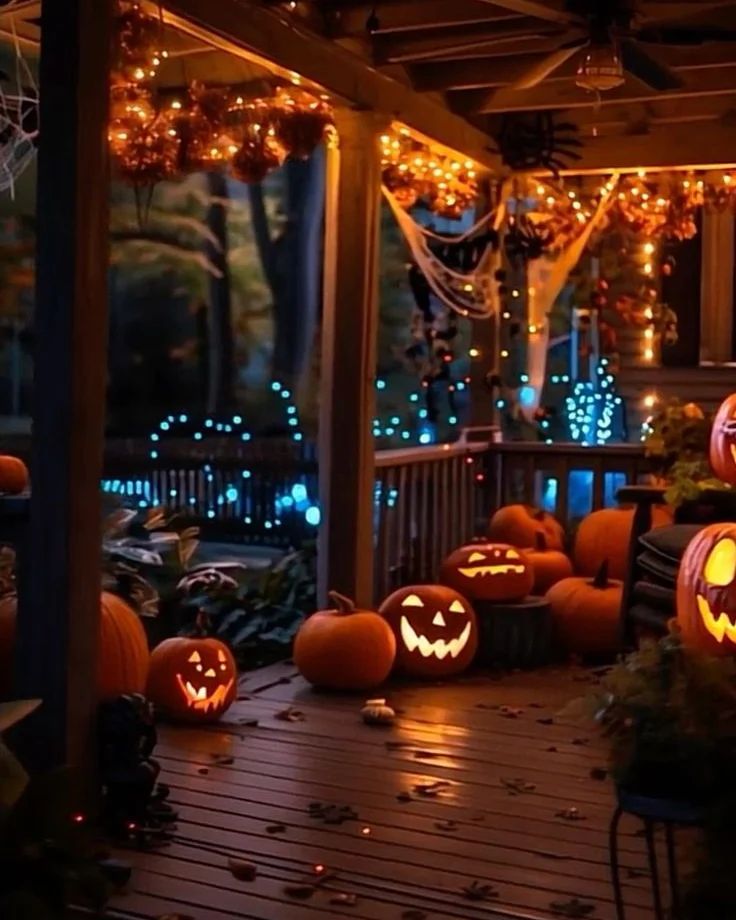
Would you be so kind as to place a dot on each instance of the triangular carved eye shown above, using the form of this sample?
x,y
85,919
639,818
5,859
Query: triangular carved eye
x,y
412,600
476,557
512,554
194,658
720,567
456,607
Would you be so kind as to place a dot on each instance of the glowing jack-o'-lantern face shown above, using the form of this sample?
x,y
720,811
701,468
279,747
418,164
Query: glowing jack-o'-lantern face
x,y
488,572
723,441
435,628
192,679
706,590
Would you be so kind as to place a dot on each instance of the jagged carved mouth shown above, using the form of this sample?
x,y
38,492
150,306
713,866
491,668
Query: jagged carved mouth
x,y
440,648
733,451
198,698
483,570
720,627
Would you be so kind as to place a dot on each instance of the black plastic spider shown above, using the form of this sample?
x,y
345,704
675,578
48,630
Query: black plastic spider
x,y
534,140
526,241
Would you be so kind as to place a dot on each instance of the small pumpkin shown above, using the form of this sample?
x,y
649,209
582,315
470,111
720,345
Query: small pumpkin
x,y
123,650
488,572
520,524
586,613
706,590
606,535
345,648
435,627
13,475
723,441
192,678
549,565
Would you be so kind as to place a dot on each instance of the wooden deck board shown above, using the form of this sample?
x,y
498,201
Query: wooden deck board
x,y
396,856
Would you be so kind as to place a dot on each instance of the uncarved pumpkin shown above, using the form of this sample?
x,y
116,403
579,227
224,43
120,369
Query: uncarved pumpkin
x,y
13,475
192,678
606,535
123,647
723,441
706,590
586,614
486,571
520,524
549,565
345,648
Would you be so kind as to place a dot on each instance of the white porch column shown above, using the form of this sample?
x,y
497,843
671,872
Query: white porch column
x,y
349,330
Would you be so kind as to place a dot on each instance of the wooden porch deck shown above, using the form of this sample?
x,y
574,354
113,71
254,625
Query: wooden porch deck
x,y
501,815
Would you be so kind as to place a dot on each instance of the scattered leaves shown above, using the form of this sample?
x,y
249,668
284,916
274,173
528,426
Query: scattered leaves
x,y
301,892
222,760
404,797
636,873
510,712
448,826
290,714
516,786
344,899
477,891
276,829
242,870
413,914
546,721
248,723
570,814
431,790
580,742
203,770
332,814
599,773
575,909
551,749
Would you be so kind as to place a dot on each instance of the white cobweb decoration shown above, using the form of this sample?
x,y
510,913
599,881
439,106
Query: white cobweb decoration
x,y
19,121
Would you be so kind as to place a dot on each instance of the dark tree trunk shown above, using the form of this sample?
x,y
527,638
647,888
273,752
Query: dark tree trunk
x,y
221,390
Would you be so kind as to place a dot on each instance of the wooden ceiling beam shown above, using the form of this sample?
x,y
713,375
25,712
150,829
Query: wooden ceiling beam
x,y
476,73
565,95
549,10
408,16
256,33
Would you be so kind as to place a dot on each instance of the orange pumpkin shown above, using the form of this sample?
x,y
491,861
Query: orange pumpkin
x,y
436,630
723,441
520,524
549,565
706,590
345,648
488,572
192,678
13,475
123,650
586,613
606,535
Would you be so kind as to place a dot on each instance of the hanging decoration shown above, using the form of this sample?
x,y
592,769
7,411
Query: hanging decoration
x,y
300,122
535,140
138,48
19,124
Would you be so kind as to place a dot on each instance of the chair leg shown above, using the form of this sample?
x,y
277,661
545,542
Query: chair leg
x,y
672,869
615,867
653,869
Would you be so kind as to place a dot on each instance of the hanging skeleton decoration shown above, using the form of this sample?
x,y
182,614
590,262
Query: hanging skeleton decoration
x,y
536,141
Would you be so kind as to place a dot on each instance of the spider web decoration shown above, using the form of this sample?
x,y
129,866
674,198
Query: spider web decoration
x,y
19,121
536,141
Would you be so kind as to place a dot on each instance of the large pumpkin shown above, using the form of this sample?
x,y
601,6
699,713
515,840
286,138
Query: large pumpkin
x,y
549,565
606,535
13,475
520,524
723,441
436,630
123,647
192,679
586,614
488,572
706,590
344,648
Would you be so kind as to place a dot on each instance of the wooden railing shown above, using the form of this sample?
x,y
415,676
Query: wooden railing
x,y
427,503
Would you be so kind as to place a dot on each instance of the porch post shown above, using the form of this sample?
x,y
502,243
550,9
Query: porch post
x,y
349,329
56,653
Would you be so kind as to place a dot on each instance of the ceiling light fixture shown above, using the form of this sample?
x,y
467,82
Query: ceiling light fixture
x,y
600,69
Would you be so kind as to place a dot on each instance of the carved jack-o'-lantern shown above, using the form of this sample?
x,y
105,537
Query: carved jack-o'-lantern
x,y
723,441
706,590
488,572
435,628
192,679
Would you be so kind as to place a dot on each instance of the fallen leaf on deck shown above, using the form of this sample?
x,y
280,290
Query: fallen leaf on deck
x,y
427,755
431,790
478,817
551,749
580,742
290,715
276,829
175,917
332,814
244,696
284,680
242,870
248,723
222,760
637,873
302,892
536,705
203,770
487,706
478,892
546,721
599,773
575,908
511,712
518,785
446,825
346,900
570,814
404,797
413,914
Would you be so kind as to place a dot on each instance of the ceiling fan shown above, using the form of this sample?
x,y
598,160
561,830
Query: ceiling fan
x,y
612,38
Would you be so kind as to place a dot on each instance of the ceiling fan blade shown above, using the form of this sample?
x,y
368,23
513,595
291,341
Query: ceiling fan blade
x,y
671,10
643,66
551,12
547,65
684,37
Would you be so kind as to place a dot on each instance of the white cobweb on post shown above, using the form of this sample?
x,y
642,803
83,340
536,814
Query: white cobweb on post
x,y
19,121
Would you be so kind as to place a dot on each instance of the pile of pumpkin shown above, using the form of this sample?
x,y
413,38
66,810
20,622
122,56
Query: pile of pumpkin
x,y
431,631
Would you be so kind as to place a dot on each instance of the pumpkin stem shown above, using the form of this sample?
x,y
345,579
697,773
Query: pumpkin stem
x,y
540,542
342,604
539,514
601,579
